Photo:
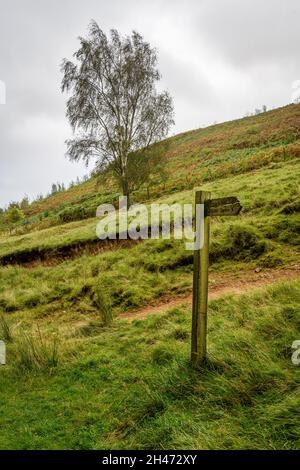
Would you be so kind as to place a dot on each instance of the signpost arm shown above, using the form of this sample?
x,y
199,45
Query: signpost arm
x,y
200,289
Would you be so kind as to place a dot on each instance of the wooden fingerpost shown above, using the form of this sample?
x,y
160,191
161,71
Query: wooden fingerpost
x,y
200,287
224,206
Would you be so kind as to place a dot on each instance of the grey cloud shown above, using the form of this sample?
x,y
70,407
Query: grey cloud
x,y
250,32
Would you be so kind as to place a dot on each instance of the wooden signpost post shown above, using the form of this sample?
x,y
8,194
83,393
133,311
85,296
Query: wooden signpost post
x,y
212,207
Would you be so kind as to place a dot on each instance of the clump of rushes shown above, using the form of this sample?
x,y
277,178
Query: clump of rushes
x,y
35,353
103,303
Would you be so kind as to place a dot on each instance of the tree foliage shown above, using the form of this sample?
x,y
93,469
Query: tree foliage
x,y
114,108
14,215
147,166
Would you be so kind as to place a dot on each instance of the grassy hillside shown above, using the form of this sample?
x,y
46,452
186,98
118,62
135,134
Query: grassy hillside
x,y
193,158
130,384
266,235
265,192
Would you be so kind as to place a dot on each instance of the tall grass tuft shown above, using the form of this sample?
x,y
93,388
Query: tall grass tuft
x,y
35,353
5,330
103,303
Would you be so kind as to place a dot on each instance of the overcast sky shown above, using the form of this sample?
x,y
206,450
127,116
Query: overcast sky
x,y
219,59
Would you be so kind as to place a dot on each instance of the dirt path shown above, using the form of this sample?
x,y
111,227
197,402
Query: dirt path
x,y
219,285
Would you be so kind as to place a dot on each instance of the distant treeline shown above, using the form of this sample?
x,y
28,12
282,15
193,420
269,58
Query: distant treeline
x,y
55,188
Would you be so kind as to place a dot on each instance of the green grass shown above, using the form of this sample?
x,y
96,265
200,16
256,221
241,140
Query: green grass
x,y
262,194
131,385
262,236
